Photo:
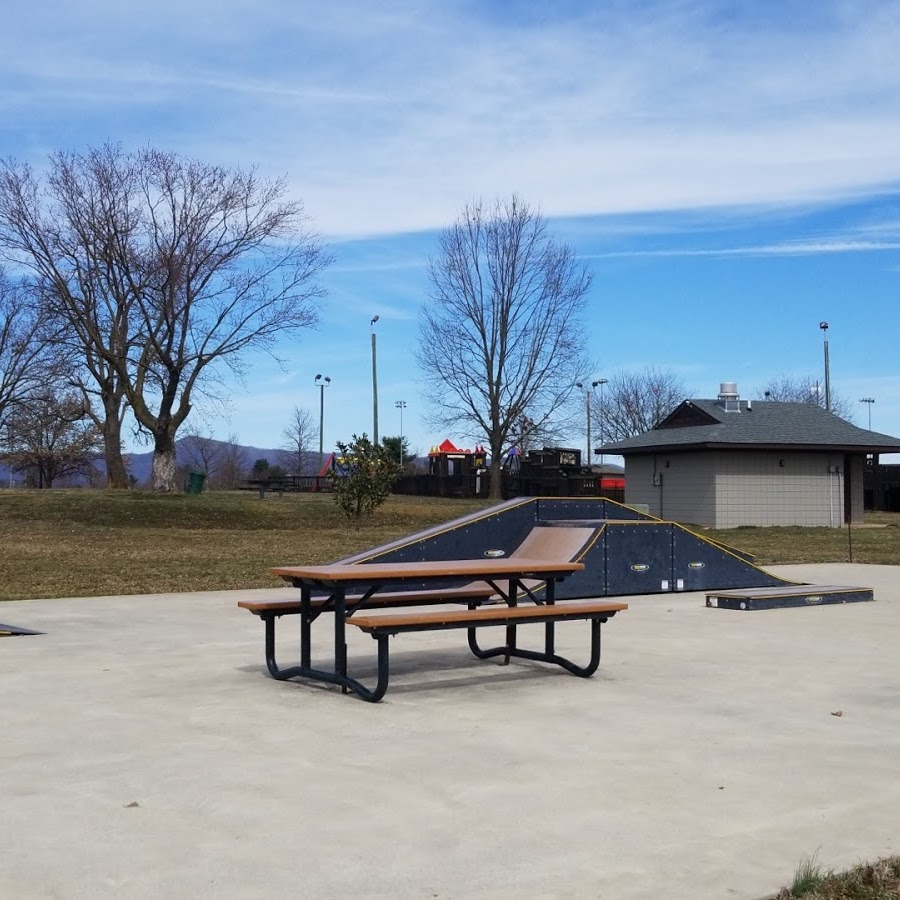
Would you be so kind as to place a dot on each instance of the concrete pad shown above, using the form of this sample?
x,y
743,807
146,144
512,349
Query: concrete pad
x,y
145,753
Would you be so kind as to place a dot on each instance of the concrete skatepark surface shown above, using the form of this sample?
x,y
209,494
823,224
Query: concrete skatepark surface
x,y
145,753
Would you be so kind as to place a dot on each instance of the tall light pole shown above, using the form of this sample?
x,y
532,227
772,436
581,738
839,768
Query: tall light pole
x,y
868,401
601,382
374,385
824,327
401,405
587,405
322,382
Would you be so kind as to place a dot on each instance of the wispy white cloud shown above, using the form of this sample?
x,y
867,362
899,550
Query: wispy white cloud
x,y
789,248
389,117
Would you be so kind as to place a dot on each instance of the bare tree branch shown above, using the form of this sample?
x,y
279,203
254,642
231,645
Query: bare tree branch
x,y
804,389
634,402
25,351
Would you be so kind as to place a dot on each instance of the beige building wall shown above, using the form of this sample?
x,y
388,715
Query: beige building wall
x,y
674,486
779,489
857,504
727,489
639,482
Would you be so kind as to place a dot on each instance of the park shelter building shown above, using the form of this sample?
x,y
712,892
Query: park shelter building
x,y
729,462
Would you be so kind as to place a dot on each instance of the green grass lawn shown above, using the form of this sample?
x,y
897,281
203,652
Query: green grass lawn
x,y
93,543
71,543
877,541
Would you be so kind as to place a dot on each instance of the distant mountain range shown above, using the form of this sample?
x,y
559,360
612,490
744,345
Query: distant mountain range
x,y
189,451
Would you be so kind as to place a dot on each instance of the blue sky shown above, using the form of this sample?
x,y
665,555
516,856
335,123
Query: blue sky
x,y
729,171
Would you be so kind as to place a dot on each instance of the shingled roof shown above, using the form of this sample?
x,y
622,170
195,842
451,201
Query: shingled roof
x,y
766,425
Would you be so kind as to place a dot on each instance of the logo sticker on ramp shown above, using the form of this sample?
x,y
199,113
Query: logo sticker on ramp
x,y
640,567
696,565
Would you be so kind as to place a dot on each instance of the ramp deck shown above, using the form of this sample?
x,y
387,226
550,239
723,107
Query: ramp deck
x,y
788,595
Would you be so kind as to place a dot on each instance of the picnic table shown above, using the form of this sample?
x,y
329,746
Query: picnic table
x,y
281,484
489,588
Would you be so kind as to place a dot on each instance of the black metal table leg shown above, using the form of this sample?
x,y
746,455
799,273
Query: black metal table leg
x,y
339,598
305,627
550,627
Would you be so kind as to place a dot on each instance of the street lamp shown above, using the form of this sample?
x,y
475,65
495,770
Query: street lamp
x,y
868,401
601,382
824,327
374,385
322,382
401,405
587,404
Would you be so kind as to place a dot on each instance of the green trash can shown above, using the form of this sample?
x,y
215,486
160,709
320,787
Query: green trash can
x,y
195,482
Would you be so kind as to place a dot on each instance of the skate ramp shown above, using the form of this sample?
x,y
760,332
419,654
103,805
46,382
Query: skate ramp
x,y
624,551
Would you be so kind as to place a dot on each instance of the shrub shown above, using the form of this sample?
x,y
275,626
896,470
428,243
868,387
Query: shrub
x,y
362,476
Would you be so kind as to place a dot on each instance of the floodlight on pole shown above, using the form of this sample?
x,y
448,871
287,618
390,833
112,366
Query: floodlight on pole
x,y
374,384
401,405
868,401
323,381
824,327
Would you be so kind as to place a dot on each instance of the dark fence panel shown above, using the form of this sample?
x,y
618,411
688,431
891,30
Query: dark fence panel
x,y
882,488
514,485
302,484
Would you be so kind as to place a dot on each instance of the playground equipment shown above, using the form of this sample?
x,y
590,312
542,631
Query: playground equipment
x,y
552,471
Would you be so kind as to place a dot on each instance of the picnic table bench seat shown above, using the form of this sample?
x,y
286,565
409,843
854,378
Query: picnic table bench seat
x,y
383,626
476,593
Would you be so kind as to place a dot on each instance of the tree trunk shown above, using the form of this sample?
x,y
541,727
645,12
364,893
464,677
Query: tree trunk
x,y
116,476
162,473
496,489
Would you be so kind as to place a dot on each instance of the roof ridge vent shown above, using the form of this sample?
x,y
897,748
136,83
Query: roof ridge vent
x,y
729,398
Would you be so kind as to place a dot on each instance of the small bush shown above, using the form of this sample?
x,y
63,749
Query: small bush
x,y
362,477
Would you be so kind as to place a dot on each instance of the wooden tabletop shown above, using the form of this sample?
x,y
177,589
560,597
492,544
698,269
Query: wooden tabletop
x,y
417,571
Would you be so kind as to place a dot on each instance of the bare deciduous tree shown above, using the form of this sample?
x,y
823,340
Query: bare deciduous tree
x,y
634,402
298,436
200,451
61,229
232,470
162,267
501,333
804,389
52,436
25,358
